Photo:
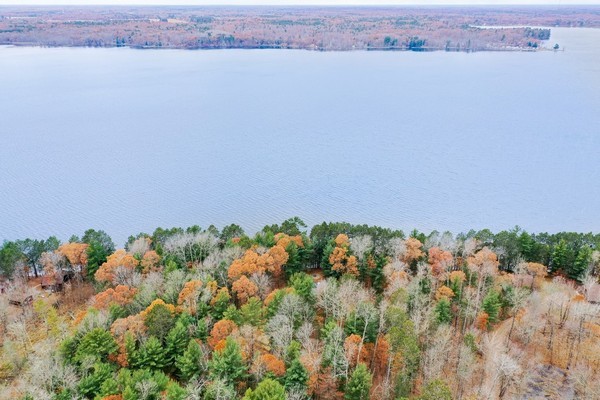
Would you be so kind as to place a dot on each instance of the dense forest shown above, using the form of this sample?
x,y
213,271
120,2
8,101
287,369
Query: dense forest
x,y
339,311
325,28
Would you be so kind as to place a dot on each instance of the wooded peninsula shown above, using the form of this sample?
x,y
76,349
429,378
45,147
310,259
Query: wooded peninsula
x,y
339,311
324,28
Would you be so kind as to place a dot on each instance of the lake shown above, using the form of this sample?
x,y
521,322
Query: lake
x,y
127,140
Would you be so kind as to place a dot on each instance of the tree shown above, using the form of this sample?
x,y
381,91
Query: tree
x,y
152,355
244,288
10,256
90,385
436,390
581,264
339,260
159,318
296,377
96,256
268,389
491,306
303,284
228,364
231,231
175,392
359,384
99,237
176,342
443,311
560,256
97,344
190,364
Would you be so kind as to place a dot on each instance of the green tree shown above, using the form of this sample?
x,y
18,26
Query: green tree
x,y
403,339
228,364
99,237
176,342
296,376
268,389
436,390
190,363
10,255
359,384
581,264
152,355
303,284
96,257
231,231
560,255
492,305
295,260
175,392
90,385
252,312
96,344
443,311
159,321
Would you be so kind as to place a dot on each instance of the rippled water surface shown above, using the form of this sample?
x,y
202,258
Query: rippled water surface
x,y
126,140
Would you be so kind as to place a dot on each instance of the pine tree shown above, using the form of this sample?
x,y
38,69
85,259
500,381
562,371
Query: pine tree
x,y
296,377
176,342
131,351
228,364
443,311
359,385
491,306
98,344
189,364
152,355
581,264
175,392
252,312
303,284
268,389
90,385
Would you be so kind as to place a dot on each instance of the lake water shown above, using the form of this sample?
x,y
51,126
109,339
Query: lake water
x,y
127,140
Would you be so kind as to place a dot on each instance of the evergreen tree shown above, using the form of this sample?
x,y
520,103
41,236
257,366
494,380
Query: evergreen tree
x,y
443,311
220,304
252,312
581,264
96,344
268,389
189,364
228,364
176,342
90,385
175,392
152,355
491,305
294,263
303,284
296,377
359,384
133,358
560,256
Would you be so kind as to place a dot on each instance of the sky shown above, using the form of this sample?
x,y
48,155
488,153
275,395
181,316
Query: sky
x,y
293,2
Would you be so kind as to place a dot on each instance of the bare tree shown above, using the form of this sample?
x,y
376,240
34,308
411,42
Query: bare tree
x,y
360,245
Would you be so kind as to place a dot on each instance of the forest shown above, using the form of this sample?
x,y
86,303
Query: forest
x,y
323,29
338,311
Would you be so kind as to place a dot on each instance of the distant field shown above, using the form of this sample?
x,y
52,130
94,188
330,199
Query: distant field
x,y
331,28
